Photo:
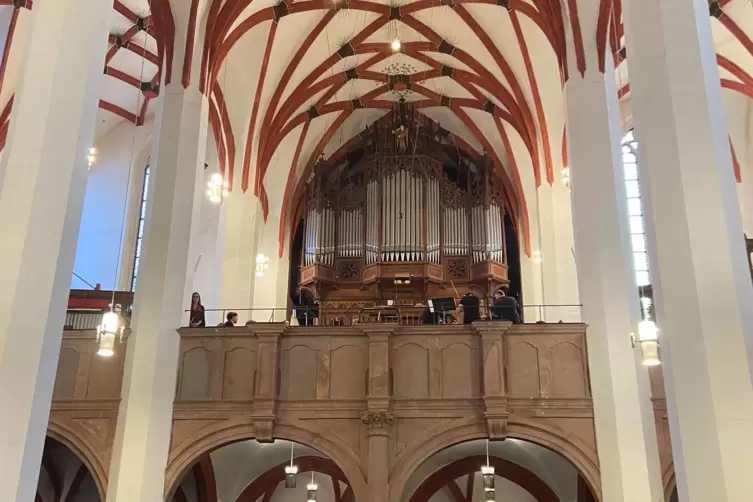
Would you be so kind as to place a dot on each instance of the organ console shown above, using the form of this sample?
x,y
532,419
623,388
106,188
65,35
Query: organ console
x,y
402,223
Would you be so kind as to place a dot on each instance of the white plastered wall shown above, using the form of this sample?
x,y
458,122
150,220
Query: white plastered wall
x,y
114,180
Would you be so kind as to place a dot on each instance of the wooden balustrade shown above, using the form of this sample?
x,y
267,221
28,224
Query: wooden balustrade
x,y
540,361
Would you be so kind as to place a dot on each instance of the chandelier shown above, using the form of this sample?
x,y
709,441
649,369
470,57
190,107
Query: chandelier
x,y
91,158
217,189
487,477
262,264
399,77
291,470
648,335
110,329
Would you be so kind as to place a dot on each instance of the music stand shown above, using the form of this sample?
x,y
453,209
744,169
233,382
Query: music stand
x,y
442,305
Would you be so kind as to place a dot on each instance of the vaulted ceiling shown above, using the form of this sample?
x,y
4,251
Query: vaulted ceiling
x,y
289,80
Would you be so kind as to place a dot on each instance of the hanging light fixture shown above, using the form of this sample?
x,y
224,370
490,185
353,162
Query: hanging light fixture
x,y
566,177
217,189
291,470
311,489
110,329
648,338
396,44
648,335
262,264
91,158
487,477
537,256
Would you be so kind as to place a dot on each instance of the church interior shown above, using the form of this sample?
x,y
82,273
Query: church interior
x,y
376,250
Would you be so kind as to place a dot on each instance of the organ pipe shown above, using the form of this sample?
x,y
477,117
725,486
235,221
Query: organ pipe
x,y
400,209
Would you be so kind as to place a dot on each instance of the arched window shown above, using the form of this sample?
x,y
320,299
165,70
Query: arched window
x,y
140,228
635,209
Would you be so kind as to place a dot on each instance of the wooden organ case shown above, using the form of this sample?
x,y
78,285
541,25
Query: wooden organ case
x,y
400,226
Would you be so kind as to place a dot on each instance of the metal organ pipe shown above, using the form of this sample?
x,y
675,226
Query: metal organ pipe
x,y
372,228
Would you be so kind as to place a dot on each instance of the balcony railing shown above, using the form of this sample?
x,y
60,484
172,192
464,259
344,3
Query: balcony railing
x,y
411,315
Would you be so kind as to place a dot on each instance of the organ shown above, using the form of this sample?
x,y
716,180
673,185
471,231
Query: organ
x,y
401,223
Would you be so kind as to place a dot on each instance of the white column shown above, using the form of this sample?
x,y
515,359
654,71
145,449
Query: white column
x,y
745,189
52,126
242,221
163,287
271,289
625,433
700,275
560,286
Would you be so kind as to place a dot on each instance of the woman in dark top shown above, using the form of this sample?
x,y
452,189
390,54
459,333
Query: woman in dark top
x,y
197,312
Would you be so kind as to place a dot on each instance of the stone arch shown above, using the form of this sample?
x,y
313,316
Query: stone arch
x,y
190,451
75,439
524,478
582,456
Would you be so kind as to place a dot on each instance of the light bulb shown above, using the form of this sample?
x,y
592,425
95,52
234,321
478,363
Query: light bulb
x,y
396,44
537,256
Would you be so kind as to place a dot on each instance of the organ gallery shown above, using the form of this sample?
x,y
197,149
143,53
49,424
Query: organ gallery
x,y
404,219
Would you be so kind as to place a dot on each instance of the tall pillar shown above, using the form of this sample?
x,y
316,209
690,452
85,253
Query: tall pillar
x,y
271,289
242,219
378,419
163,287
702,288
560,287
625,433
52,127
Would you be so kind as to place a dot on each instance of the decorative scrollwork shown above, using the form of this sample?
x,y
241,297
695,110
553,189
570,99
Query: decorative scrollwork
x,y
349,270
457,269
378,419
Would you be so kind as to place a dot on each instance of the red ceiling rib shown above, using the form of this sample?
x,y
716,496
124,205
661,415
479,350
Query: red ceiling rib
x,y
206,483
286,200
469,466
190,36
8,44
117,110
536,98
215,123
255,110
227,132
602,29
265,136
580,52
269,481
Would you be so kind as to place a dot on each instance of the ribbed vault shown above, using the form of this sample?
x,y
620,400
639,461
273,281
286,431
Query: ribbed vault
x,y
290,80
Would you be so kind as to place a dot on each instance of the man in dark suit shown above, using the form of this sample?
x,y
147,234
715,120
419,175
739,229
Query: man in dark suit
x,y
505,308
469,304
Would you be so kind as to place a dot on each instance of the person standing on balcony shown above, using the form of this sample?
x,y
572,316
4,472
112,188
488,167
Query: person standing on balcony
x,y
197,312
505,308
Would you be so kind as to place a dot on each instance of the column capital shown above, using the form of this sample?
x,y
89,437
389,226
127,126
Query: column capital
x,y
378,331
491,329
378,422
268,332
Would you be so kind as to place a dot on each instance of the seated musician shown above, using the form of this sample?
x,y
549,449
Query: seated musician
x,y
505,308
